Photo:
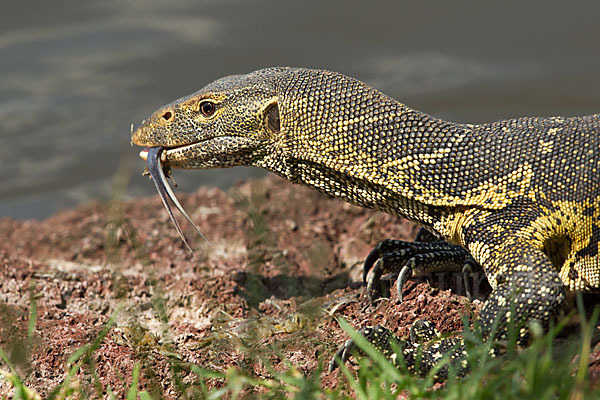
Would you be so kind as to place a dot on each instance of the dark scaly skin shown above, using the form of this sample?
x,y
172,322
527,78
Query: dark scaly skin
x,y
520,196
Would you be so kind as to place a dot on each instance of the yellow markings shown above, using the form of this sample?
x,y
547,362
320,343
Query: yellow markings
x,y
545,147
564,233
521,268
492,194
553,131
451,226
348,122
430,158
481,252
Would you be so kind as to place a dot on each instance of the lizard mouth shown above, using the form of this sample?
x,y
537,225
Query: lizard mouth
x,y
174,151
165,150
213,152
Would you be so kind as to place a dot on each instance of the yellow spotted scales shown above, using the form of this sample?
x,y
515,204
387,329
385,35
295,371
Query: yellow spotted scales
x,y
520,197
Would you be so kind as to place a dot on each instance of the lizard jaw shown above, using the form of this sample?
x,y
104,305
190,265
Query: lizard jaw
x,y
216,152
163,156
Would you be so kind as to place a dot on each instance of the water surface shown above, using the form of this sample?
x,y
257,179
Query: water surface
x,y
76,75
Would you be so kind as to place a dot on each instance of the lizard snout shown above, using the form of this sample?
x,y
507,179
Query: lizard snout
x,y
148,134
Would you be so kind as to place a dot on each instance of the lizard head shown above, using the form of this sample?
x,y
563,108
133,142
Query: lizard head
x,y
232,121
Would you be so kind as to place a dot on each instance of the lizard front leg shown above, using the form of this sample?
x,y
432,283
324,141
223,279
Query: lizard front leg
x,y
526,287
414,259
526,277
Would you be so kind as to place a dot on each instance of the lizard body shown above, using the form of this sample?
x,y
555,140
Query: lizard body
x,y
520,196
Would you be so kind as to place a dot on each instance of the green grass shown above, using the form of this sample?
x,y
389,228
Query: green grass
x,y
541,371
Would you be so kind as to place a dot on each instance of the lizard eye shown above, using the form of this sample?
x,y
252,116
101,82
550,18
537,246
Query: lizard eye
x,y
207,108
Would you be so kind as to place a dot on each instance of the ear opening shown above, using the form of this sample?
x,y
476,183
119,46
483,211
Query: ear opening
x,y
271,115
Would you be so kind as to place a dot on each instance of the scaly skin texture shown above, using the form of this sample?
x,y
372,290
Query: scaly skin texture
x,y
520,196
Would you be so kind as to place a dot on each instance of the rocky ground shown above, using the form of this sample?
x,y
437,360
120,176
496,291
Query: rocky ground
x,y
282,262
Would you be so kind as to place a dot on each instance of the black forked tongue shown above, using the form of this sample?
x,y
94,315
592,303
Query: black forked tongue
x,y
164,191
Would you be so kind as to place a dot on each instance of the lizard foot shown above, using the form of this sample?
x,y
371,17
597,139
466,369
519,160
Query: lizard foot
x,y
413,259
420,354
378,335
422,331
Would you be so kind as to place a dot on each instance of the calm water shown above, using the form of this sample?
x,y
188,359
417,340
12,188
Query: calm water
x,y
76,74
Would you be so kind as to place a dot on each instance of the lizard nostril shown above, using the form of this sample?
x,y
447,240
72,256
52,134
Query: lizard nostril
x,y
167,116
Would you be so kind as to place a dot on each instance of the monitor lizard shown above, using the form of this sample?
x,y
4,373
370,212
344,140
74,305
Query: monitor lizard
x,y
520,197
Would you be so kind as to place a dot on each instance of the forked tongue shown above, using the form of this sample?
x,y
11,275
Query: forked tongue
x,y
164,191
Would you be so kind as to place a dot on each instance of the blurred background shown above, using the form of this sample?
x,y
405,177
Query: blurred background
x,y
74,75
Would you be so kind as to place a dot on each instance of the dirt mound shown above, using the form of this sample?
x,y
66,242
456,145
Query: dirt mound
x,y
282,263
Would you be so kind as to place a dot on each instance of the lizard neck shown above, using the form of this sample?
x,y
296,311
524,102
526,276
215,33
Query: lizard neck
x,y
341,136
371,159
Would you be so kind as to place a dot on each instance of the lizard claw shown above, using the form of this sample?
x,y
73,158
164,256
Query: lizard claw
x,y
377,288
405,273
369,261
467,272
342,355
